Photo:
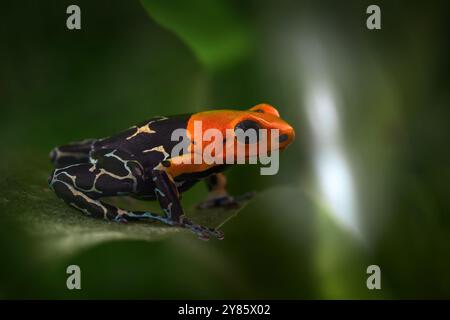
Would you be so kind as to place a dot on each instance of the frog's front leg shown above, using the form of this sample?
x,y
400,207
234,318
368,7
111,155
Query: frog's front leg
x,y
218,195
169,200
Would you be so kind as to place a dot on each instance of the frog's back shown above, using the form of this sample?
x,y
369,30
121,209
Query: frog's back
x,y
149,142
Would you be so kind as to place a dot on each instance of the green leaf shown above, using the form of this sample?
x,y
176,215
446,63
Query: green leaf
x,y
32,205
217,35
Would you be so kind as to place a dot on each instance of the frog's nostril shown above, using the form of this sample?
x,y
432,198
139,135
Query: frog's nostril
x,y
283,137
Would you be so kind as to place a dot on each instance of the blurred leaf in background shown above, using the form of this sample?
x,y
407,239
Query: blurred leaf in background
x,y
213,29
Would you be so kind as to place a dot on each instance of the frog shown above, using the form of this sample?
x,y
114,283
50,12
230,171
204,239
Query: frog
x,y
138,162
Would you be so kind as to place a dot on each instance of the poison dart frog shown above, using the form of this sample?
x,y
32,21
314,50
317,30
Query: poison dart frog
x,y
137,162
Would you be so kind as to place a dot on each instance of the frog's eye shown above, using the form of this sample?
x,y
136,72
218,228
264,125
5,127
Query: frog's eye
x,y
247,131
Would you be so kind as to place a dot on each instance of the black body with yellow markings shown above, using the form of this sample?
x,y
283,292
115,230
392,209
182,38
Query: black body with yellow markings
x,y
137,162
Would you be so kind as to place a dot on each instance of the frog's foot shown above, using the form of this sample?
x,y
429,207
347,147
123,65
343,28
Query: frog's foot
x,y
227,202
203,233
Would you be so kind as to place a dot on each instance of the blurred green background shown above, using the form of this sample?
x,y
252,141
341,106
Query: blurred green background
x,y
366,181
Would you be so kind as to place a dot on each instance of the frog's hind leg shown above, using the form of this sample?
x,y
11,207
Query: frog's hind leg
x,y
77,152
82,185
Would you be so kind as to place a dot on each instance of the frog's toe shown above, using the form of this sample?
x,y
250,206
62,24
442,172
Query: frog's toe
x,y
219,235
206,235
203,237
